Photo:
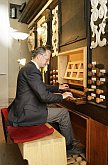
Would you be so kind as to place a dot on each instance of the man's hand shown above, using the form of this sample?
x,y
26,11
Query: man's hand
x,y
67,94
63,86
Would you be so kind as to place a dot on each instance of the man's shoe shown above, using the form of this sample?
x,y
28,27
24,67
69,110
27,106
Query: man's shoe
x,y
75,142
75,151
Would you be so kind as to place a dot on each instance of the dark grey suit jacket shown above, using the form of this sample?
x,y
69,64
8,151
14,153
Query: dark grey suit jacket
x,y
30,105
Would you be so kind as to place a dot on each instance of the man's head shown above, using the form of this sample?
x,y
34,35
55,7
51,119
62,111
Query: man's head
x,y
41,56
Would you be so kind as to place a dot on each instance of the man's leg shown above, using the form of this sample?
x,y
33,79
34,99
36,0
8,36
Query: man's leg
x,y
61,115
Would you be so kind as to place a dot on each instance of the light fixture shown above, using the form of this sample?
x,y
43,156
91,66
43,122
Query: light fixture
x,y
22,61
20,36
13,12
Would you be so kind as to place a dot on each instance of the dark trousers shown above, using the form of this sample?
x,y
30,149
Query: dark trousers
x,y
61,116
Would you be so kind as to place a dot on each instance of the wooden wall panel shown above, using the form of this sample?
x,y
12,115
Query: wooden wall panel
x,y
79,126
73,24
98,143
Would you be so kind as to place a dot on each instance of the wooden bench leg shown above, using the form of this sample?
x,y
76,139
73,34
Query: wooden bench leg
x,y
49,150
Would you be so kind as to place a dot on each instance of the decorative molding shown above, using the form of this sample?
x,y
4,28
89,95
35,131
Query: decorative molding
x,y
98,22
31,40
42,36
55,31
31,9
40,12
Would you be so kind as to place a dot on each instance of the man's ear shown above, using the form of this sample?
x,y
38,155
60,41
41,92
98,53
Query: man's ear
x,y
39,56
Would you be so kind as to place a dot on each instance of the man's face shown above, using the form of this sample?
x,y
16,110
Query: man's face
x,y
45,58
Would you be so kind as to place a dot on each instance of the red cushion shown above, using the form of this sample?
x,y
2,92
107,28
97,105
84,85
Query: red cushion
x,y
28,133
5,113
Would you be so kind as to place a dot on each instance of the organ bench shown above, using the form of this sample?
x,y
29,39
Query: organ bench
x,y
46,146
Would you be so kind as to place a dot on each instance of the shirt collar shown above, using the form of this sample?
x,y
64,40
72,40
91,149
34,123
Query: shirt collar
x,y
35,64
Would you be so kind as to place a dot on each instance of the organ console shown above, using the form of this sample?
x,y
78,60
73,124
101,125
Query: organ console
x,y
98,82
100,73
88,89
88,106
94,65
86,81
90,81
91,73
54,76
90,97
79,97
99,91
98,100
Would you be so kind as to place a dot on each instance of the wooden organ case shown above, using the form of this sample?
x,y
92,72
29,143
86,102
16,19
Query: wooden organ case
x,y
85,69
89,117
86,72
